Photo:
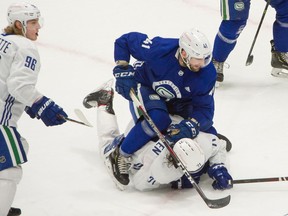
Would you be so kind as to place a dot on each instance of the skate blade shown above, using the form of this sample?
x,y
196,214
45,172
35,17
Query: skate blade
x,y
106,85
279,72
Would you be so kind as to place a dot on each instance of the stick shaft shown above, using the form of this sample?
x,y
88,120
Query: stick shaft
x,y
258,29
73,120
259,180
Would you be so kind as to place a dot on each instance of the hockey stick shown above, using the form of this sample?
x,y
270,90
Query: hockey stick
x,y
259,180
75,121
82,117
250,57
218,203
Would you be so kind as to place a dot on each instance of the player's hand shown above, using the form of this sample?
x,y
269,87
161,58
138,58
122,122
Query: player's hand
x,y
29,111
222,179
124,80
185,129
49,112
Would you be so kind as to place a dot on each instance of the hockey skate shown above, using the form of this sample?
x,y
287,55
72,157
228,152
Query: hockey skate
x,y
102,96
120,166
279,62
219,69
14,212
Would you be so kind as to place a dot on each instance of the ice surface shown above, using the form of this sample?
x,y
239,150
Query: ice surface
x,y
65,176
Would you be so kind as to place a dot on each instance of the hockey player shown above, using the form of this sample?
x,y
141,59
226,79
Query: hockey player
x,y
19,69
151,167
235,14
171,75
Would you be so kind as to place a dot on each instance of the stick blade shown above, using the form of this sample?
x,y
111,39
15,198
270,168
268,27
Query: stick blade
x,y
81,116
249,60
218,203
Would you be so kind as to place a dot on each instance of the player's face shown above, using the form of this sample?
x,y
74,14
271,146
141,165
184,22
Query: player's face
x,y
32,29
196,64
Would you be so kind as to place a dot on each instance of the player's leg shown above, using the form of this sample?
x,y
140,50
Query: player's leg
x,y
141,133
234,17
279,46
9,178
13,150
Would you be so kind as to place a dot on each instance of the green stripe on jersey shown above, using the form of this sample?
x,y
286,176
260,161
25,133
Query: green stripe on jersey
x,y
225,10
13,144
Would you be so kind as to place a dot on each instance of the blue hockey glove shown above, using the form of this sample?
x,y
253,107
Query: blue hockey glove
x,y
185,129
219,173
49,112
30,112
124,80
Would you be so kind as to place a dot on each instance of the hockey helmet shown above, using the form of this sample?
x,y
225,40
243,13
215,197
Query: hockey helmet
x,y
196,45
190,153
22,12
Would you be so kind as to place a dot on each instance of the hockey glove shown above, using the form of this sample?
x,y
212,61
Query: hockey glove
x,y
49,112
185,129
29,111
124,80
222,178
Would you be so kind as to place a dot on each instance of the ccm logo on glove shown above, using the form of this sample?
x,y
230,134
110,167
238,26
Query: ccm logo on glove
x,y
124,74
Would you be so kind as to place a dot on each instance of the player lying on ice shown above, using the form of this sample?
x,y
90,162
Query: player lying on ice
x,y
151,166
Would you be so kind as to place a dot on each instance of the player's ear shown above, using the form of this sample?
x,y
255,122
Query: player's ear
x,y
183,53
18,25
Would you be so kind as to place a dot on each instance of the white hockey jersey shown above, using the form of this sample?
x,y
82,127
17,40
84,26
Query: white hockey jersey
x,y
19,69
150,168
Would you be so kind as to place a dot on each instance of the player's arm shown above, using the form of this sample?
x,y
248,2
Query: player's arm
x,y
217,169
21,85
130,44
134,44
23,76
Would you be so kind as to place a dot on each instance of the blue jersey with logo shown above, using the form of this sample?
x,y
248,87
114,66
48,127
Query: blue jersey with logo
x,y
161,71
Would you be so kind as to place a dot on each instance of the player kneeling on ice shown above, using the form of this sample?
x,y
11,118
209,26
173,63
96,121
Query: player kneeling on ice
x,y
152,166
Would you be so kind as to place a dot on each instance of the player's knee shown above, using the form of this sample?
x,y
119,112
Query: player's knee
x,y
282,20
13,174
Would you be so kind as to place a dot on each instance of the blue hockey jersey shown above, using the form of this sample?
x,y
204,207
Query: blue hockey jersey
x,y
162,72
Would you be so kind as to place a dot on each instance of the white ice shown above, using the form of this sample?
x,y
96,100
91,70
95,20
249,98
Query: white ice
x,y
65,176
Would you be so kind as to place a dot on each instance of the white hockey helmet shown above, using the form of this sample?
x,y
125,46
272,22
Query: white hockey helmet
x,y
22,12
190,153
196,45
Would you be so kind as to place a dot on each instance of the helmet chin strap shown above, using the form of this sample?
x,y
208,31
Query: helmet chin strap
x,y
186,62
24,29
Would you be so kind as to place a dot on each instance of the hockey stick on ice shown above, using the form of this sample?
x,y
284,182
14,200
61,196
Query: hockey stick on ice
x,y
217,203
259,180
250,57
